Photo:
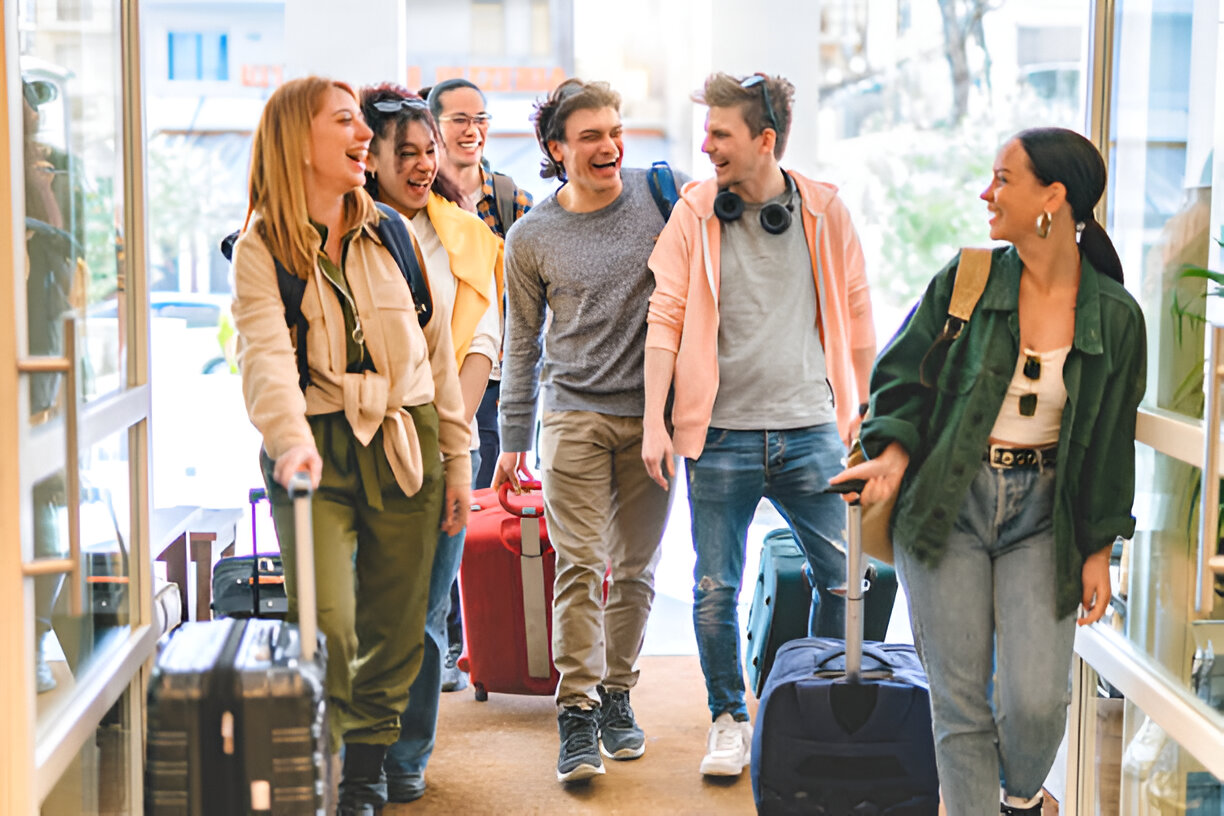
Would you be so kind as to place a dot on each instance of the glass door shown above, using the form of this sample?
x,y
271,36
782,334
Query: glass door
x,y
80,407
1149,685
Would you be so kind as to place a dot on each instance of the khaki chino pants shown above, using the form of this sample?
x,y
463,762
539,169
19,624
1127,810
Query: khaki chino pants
x,y
602,511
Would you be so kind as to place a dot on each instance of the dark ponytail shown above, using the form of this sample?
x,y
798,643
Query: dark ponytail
x,y
1058,154
1096,246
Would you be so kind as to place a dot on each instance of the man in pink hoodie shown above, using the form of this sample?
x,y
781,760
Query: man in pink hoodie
x,y
761,320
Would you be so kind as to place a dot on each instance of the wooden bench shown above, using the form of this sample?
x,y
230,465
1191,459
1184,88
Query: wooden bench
x,y
189,541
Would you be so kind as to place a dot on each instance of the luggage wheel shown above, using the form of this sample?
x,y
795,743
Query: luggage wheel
x,y
481,694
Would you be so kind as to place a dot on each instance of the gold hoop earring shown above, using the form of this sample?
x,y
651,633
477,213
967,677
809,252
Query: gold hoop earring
x,y
1043,224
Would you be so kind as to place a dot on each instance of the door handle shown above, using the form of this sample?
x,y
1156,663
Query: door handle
x,y
71,565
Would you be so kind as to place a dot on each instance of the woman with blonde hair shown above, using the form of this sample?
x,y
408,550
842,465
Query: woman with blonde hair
x,y
463,263
374,413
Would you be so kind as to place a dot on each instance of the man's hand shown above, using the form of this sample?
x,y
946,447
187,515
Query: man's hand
x,y
657,452
882,474
509,465
299,457
455,512
1097,588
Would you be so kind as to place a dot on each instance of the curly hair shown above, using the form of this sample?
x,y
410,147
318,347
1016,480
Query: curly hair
x,y
725,91
552,112
394,125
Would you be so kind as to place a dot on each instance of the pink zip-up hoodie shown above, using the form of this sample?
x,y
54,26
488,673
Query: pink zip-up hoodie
x,y
683,316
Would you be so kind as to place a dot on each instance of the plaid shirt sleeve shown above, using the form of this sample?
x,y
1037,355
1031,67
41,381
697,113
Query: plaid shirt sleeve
x,y
486,208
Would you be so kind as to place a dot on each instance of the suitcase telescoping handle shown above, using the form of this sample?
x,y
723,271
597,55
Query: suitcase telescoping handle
x,y
520,510
854,579
300,491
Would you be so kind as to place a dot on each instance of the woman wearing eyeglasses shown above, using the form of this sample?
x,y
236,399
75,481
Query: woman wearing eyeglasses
x,y
378,422
1012,446
463,263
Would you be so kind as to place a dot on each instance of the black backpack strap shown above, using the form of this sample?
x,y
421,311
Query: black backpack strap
x,y
663,188
503,199
292,289
394,234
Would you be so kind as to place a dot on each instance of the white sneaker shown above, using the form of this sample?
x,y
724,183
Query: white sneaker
x,y
728,747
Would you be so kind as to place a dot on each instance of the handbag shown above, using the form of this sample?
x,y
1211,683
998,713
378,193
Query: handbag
x,y
972,272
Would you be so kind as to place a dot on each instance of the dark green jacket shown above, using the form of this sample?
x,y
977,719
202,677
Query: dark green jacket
x,y
945,429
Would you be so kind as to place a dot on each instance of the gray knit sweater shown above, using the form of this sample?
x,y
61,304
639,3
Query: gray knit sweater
x,y
590,270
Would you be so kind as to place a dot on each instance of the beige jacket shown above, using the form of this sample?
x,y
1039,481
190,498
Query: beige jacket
x,y
412,366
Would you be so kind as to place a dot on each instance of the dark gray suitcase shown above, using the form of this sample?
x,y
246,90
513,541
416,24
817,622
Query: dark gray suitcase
x,y
237,720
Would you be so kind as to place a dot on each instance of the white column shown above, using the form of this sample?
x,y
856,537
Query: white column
x,y
334,40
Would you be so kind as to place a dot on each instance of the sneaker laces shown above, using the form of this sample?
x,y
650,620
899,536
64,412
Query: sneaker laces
x,y
580,732
452,659
619,714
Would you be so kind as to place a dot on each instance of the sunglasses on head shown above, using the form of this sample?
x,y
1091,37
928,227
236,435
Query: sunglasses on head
x,y
1032,370
757,80
397,105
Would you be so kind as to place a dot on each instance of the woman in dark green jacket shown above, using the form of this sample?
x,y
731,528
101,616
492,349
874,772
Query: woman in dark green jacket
x,y
1012,445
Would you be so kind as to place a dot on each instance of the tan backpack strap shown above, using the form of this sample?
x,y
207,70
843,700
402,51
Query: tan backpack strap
x,y
971,275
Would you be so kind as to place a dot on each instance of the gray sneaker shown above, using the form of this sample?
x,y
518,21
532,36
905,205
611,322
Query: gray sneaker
x,y
619,734
453,677
579,758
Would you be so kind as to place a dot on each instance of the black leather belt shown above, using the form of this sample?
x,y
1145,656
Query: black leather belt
x,y
1005,458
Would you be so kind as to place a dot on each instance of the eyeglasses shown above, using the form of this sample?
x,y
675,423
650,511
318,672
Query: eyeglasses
x,y
462,120
1032,370
397,105
752,82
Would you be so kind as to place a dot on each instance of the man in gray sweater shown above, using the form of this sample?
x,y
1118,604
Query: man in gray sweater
x,y
582,253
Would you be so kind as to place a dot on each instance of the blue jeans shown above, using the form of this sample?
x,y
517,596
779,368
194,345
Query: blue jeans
x,y
419,722
735,471
991,598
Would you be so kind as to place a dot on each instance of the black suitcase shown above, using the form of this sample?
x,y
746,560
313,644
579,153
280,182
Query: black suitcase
x,y
236,715
780,604
250,586
836,734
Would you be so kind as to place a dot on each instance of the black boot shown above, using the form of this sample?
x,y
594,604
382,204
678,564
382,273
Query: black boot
x,y
363,789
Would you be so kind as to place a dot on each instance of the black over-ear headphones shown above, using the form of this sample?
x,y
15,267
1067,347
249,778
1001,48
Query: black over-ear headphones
x,y
775,217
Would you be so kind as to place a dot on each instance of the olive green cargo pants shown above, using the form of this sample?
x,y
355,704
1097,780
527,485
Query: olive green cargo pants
x,y
373,553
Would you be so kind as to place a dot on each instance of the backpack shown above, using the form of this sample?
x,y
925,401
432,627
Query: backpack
x,y
503,199
663,188
394,235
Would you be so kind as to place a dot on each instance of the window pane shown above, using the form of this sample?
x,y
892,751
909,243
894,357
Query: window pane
x,y
912,110
73,168
184,55
67,646
1160,186
96,783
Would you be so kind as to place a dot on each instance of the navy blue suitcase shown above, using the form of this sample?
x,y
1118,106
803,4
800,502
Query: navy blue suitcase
x,y
844,728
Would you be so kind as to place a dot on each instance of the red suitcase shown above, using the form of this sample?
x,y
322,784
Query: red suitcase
x,y
506,587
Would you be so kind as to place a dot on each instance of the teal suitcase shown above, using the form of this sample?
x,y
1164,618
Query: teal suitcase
x,y
781,604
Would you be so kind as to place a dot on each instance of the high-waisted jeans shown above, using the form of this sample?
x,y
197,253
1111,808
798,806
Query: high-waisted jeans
x,y
987,609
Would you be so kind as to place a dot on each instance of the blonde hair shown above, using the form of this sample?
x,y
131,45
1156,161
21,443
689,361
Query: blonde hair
x,y
277,180
725,91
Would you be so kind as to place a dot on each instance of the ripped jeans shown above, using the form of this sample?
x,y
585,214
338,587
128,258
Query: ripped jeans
x,y
735,471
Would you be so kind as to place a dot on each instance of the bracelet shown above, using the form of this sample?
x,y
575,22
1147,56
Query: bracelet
x,y
863,409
